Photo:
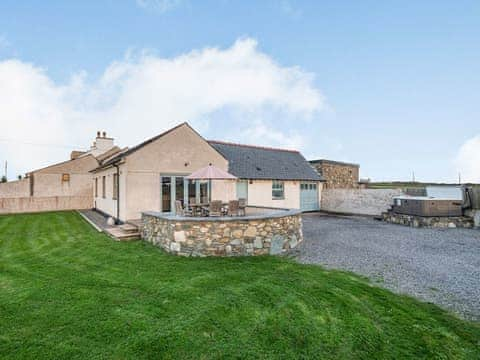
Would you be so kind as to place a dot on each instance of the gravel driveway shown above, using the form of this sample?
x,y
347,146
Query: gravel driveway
x,y
436,265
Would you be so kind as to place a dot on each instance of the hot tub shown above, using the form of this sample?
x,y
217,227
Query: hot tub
x,y
427,206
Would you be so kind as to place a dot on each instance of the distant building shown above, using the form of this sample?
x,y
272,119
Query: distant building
x,y
62,186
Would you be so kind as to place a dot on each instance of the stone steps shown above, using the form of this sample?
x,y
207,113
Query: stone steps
x,y
129,228
125,232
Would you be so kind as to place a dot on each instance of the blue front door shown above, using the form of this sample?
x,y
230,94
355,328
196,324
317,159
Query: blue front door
x,y
309,196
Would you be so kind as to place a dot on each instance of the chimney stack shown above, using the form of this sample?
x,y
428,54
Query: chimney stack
x,y
101,144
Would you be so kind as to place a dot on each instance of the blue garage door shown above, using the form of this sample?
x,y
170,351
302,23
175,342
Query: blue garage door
x,y
309,196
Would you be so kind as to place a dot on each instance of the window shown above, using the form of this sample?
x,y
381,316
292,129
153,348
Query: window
x,y
103,187
96,187
115,186
277,190
65,177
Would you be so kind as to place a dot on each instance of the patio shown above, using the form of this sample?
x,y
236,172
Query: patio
x,y
260,231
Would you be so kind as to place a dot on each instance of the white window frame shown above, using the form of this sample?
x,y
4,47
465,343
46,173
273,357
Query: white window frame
x,y
278,190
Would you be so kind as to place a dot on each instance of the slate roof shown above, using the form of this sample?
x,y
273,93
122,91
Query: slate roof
x,y
254,162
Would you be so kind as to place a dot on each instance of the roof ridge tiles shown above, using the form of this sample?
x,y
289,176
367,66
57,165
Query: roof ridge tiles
x,y
252,146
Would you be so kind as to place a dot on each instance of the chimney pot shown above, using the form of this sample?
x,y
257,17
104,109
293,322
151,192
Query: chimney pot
x,y
104,134
98,133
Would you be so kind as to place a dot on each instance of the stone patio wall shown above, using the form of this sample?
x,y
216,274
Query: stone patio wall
x,y
430,221
251,235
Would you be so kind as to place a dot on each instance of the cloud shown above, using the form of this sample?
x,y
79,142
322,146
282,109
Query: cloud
x,y
161,6
237,93
468,160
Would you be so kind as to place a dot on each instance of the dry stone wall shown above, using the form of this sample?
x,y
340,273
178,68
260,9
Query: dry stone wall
x,y
337,175
430,221
251,235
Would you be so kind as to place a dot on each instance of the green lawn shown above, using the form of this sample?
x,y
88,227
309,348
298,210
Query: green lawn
x,y
67,291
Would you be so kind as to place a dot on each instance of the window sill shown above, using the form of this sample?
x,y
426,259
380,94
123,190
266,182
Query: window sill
x,y
278,198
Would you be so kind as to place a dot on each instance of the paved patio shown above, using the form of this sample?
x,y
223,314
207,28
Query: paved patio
x,y
436,265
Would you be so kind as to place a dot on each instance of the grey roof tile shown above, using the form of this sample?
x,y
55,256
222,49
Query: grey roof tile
x,y
252,162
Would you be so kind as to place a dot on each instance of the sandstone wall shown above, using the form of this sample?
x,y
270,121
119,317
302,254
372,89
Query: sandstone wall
x,y
216,237
337,175
358,201
47,203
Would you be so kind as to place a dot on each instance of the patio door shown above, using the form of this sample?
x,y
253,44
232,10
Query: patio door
x,y
173,189
166,194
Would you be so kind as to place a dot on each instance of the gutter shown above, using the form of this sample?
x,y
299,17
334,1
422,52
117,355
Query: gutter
x,y
117,221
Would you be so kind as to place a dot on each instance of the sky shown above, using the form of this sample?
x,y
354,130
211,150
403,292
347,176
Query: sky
x,y
391,85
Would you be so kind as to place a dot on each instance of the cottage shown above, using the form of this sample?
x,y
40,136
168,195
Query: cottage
x,y
152,176
61,186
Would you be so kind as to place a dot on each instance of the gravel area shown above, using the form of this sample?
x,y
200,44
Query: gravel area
x,y
435,265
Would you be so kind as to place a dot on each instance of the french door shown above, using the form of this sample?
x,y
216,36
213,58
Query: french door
x,y
176,187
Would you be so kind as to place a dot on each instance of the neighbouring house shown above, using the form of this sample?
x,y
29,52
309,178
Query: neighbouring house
x,y
337,175
151,176
62,186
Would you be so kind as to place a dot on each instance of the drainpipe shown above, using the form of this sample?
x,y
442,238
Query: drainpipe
x,y
117,221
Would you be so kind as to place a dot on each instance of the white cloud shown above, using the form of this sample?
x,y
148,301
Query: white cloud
x,y
162,6
237,93
468,160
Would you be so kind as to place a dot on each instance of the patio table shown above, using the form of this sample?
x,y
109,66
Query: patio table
x,y
202,208
198,208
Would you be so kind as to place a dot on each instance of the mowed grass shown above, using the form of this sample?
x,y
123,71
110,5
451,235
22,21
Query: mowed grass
x,y
67,291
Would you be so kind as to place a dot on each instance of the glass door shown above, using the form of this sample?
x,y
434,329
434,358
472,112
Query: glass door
x,y
173,189
192,192
204,190
179,190
166,193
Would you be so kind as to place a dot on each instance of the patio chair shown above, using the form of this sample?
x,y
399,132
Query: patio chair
x,y
242,206
233,208
179,210
215,208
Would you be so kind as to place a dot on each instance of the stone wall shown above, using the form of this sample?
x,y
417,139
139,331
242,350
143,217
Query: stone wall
x,y
337,175
250,235
428,222
358,201
45,203
475,215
